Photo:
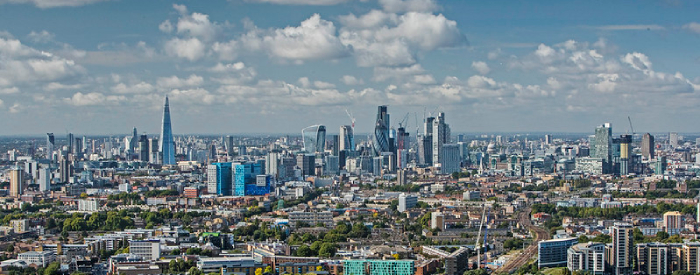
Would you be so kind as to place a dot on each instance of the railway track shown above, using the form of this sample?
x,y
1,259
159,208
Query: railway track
x,y
522,259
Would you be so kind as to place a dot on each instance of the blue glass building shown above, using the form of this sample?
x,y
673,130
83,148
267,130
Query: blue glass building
x,y
224,178
167,144
246,182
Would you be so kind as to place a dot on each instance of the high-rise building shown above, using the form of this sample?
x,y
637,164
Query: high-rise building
x,y
16,182
314,138
50,145
380,139
307,164
660,166
673,139
228,141
272,163
587,257
167,144
437,221
553,253
673,222
602,147
622,249
154,155
441,135
44,179
70,140
347,138
65,168
144,148
220,178
134,142
625,150
425,152
648,146
246,180
655,258
451,159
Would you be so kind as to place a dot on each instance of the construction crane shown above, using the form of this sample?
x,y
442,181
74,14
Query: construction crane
x,y
478,243
405,119
631,128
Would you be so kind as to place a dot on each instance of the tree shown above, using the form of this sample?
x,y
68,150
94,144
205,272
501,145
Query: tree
x,y
327,250
681,272
304,251
195,271
661,235
53,269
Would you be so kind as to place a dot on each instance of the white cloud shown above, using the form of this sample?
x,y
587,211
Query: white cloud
x,y
481,67
400,6
314,39
51,3
193,96
191,49
693,27
138,88
351,80
41,37
166,26
93,99
15,108
323,85
637,60
380,39
55,86
10,90
176,82
197,25
25,65
397,73
233,74
226,50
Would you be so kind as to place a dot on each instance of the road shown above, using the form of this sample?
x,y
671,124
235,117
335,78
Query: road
x,y
522,258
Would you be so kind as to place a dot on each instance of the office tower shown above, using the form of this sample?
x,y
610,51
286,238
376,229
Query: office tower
x,y
602,147
50,145
143,148
167,144
272,163
402,177
553,253
307,163
133,144
85,145
622,249
220,178
451,159
425,152
625,150
460,138
660,167
673,139
65,168
347,138
380,139
406,202
548,139
441,135
463,151
44,179
648,146
15,182
228,141
428,126
242,150
70,140
212,151
673,222
246,180
154,156
314,138
332,165
77,147
335,148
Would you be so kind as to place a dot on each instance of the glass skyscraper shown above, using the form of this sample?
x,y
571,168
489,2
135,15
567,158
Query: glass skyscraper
x,y
167,144
314,138
380,140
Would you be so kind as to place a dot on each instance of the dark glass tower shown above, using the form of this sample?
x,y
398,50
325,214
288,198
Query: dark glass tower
x,y
381,132
167,144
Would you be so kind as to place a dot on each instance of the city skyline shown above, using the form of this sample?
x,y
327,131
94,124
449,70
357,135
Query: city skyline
x,y
277,66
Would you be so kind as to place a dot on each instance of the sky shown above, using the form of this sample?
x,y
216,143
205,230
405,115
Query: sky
x,y
277,66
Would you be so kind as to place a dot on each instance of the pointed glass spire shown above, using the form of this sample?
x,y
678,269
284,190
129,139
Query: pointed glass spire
x,y
167,144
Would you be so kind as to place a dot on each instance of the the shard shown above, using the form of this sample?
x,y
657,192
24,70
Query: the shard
x,y
167,144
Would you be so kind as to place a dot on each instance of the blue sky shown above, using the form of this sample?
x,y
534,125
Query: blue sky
x,y
276,66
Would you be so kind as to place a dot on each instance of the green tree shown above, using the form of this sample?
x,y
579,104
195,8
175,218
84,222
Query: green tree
x,y
304,251
327,250
53,269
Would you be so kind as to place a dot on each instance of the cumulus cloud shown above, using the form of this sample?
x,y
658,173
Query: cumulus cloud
x,y
481,67
313,39
191,49
351,80
93,99
138,88
41,37
22,65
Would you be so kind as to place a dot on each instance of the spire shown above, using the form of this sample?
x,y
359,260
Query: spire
x,y
167,144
